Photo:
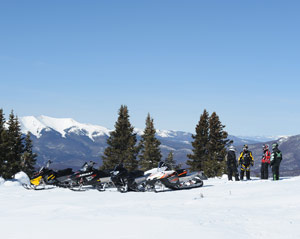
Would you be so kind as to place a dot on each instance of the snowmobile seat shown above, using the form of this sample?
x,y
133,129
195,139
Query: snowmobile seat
x,y
181,172
103,174
137,173
64,172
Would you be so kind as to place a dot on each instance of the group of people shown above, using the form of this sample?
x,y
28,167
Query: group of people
x,y
246,161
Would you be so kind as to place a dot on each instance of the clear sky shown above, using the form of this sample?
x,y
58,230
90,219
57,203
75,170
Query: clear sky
x,y
83,59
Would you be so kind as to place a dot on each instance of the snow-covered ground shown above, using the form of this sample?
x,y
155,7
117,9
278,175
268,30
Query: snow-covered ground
x,y
220,209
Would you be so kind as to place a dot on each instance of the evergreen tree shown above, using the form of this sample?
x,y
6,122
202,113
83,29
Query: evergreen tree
x,y
149,145
171,162
3,149
215,165
15,147
28,157
121,144
200,142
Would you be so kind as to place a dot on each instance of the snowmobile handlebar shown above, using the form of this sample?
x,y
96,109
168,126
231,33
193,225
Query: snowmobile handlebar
x,y
92,163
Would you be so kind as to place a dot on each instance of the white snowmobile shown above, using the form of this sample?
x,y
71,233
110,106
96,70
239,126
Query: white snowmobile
x,y
163,178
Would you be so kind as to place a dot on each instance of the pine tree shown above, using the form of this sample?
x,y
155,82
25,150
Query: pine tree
x,y
121,144
215,165
3,148
28,157
199,144
171,162
150,152
15,147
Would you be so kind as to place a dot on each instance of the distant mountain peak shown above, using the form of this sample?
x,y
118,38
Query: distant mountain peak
x,y
36,125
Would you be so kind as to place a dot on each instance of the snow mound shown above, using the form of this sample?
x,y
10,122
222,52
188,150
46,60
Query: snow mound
x,y
12,183
22,178
19,179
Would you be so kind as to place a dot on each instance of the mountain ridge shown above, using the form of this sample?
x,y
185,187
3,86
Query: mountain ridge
x,y
69,143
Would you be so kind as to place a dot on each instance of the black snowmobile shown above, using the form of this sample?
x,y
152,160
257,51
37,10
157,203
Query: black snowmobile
x,y
46,177
89,176
126,181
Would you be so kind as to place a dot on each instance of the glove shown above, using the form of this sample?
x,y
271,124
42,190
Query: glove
x,y
252,164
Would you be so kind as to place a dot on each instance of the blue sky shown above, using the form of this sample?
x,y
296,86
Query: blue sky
x,y
173,59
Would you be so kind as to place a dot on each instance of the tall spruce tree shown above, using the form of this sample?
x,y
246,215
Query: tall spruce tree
x,y
215,165
150,152
121,144
28,157
200,142
3,148
15,147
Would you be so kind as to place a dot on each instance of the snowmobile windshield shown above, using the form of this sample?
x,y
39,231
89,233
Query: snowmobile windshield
x,y
119,169
48,164
162,166
84,167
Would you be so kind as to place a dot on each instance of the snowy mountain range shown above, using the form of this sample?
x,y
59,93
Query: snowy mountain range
x,y
69,143
64,126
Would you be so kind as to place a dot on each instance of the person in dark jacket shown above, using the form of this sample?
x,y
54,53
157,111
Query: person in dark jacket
x,y
246,161
276,158
265,162
232,164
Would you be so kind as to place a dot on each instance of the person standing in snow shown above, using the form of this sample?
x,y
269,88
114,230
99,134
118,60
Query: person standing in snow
x,y
276,158
246,161
232,164
265,162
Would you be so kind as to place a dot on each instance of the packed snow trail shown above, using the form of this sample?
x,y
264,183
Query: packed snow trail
x,y
220,209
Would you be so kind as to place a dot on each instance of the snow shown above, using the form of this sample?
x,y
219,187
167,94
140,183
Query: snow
x,y
35,125
160,133
221,209
32,125
283,139
259,138
167,147
166,133
22,178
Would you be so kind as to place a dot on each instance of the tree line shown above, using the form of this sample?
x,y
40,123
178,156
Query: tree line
x,y
209,146
15,150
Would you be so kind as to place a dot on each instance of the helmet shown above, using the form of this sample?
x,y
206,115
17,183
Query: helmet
x,y
274,146
231,148
245,147
265,147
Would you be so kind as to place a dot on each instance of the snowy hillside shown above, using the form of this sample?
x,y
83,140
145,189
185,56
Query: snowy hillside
x,y
221,209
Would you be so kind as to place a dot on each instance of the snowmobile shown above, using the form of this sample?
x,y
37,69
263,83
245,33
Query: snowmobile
x,y
46,177
89,176
163,177
126,181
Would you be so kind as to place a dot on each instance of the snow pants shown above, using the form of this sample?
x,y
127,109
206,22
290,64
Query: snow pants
x,y
264,171
232,171
275,171
245,168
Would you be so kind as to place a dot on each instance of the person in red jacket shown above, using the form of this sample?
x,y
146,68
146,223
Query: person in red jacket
x,y
265,162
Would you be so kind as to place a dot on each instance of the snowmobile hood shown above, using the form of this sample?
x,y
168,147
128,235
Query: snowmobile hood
x,y
36,181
